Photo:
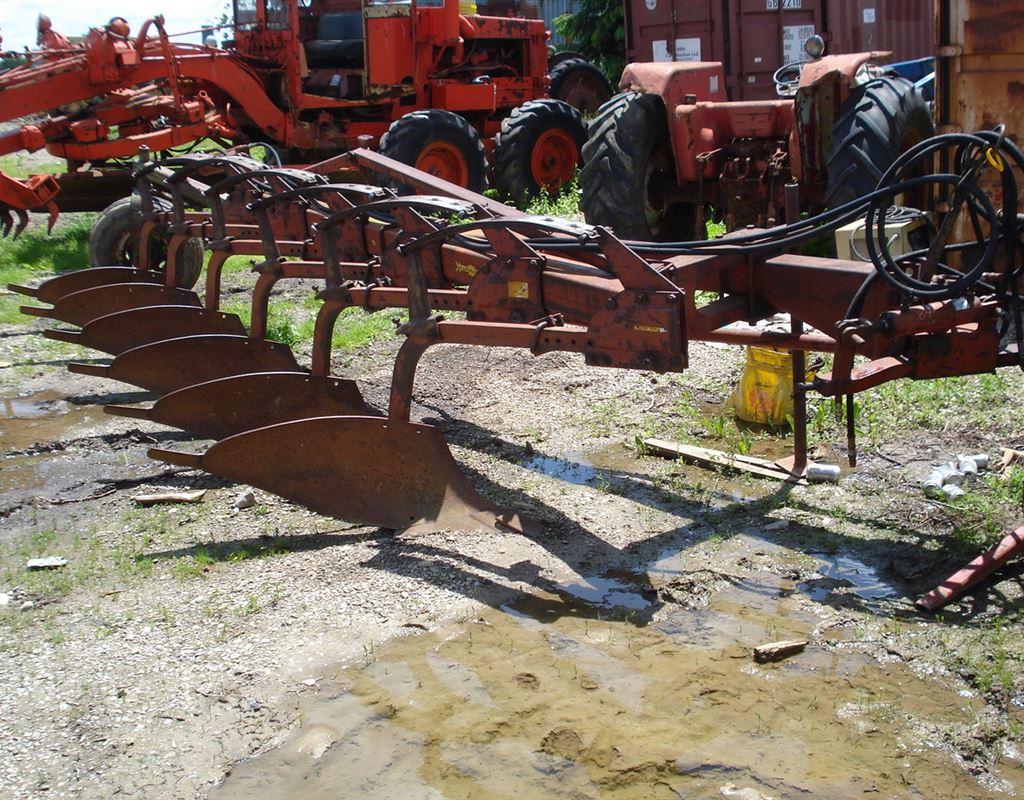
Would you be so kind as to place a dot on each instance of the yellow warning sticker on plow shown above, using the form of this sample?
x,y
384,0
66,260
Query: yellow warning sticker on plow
x,y
519,290
649,329
468,269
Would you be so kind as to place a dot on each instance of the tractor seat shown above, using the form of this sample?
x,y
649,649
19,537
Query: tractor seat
x,y
338,42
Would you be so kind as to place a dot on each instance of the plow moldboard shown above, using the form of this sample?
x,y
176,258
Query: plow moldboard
x,y
136,327
172,364
228,406
368,470
80,308
52,290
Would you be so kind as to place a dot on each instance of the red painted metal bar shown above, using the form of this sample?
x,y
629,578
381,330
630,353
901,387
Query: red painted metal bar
x,y
975,572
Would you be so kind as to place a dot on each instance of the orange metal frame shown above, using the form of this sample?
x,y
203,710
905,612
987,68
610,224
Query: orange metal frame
x,y
162,94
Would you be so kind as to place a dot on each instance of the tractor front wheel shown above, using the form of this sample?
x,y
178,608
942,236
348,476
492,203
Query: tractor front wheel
x,y
629,172
880,120
440,143
114,241
537,149
580,84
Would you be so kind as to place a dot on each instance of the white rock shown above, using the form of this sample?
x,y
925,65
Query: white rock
x,y
5,599
245,500
730,790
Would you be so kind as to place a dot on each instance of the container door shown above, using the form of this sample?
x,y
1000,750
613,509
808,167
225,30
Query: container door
x,y
671,30
764,35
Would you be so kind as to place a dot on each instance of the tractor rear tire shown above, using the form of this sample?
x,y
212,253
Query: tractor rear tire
x,y
627,165
114,241
880,120
537,149
580,84
441,143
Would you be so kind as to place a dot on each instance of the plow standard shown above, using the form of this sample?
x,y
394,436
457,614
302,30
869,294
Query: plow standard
x,y
537,283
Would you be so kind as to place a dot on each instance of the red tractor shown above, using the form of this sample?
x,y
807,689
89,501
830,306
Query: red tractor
x,y
672,151
421,81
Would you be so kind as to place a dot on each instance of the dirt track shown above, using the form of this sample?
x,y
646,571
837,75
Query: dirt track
x,y
181,639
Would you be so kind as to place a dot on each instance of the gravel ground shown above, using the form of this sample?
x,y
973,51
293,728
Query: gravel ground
x,y
181,639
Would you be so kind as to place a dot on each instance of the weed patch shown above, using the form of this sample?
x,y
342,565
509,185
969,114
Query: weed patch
x,y
22,259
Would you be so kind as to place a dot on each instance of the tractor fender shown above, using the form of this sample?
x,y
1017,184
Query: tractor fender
x,y
700,117
824,86
845,66
680,85
674,80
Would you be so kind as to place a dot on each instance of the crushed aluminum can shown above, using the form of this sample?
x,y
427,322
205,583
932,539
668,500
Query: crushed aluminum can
x,y
950,475
968,466
953,492
822,473
980,459
933,485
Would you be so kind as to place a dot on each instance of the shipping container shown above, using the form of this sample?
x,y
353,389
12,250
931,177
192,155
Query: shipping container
x,y
753,38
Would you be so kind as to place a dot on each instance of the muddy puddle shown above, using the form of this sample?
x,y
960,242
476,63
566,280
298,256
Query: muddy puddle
x,y
602,469
600,689
584,468
42,440
27,421
44,417
845,571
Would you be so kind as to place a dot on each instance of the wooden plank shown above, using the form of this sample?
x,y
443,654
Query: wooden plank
x,y
776,651
706,457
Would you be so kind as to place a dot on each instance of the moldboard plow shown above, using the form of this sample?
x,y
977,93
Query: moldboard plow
x,y
537,283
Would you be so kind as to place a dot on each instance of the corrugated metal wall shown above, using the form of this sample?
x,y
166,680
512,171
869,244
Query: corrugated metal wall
x,y
907,27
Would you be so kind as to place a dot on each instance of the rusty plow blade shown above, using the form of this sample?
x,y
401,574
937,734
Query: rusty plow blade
x,y
172,364
82,307
228,406
367,470
124,330
55,288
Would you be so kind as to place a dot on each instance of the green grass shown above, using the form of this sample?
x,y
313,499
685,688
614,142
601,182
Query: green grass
x,y
204,558
990,508
90,562
280,327
990,657
233,264
21,165
891,409
33,254
355,327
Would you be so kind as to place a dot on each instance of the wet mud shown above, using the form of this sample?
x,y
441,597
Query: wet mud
x,y
602,689
59,448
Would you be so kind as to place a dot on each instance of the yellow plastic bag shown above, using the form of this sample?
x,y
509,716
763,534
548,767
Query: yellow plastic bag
x,y
765,391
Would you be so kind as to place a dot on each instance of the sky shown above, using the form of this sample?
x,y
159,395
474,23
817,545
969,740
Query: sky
x,y
18,17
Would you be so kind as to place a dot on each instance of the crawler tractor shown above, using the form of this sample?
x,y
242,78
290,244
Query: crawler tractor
x,y
424,83
671,150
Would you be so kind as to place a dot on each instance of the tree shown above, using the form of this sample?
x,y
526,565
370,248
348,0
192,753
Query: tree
x,y
597,31
10,60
